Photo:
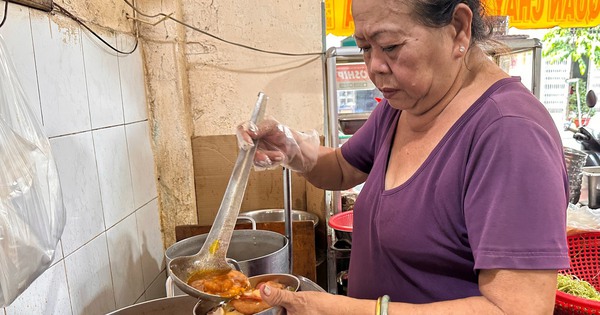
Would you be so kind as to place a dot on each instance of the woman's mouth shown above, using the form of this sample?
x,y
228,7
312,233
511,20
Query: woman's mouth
x,y
388,93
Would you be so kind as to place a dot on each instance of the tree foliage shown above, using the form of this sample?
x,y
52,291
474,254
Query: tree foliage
x,y
578,44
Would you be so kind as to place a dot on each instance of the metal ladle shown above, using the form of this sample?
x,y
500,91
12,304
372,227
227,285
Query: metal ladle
x,y
212,255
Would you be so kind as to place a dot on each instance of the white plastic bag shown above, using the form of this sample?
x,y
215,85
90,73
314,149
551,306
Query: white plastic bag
x,y
32,216
582,219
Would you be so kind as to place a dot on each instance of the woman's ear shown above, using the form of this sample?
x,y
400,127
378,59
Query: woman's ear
x,y
461,21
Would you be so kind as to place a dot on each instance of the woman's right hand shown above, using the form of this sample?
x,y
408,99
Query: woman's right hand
x,y
315,303
279,145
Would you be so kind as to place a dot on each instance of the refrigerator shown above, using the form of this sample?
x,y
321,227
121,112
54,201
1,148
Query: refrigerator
x,y
351,97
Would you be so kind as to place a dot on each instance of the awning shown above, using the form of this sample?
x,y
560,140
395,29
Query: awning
x,y
527,14
338,17
523,14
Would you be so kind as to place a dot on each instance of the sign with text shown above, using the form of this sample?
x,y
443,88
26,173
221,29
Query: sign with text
x,y
353,76
338,17
524,14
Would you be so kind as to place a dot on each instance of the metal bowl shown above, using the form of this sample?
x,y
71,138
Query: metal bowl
x,y
289,280
350,123
178,305
277,215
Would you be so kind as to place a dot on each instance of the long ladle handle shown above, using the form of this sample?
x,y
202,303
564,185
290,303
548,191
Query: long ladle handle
x,y
217,241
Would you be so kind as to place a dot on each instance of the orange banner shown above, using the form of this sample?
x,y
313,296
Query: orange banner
x,y
527,14
523,14
338,17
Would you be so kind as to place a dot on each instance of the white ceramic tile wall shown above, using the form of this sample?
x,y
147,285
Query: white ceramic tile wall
x,y
51,297
89,278
125,261
157,288
134,99
76,163
17,28
141,160
113,163
103,82
61,74
93,108
153,260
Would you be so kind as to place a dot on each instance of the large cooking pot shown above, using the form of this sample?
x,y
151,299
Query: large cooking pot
x,y
278,215
185,304
256,251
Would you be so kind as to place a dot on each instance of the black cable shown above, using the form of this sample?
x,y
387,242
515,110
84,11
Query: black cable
x,y
5,13
242,45
76,19
222,39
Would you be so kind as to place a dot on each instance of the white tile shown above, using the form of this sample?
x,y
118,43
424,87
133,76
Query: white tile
x,y
113,173
132,81
157,289
17,37
102,77
125,262
48,294
61,74
142,163
76,165
151,241
89,279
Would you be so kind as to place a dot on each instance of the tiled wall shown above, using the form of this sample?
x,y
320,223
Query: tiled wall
x,y
93,108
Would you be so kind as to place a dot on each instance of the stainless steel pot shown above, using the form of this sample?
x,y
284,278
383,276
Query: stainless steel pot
x,y
185,304
256,251
278,215
177,305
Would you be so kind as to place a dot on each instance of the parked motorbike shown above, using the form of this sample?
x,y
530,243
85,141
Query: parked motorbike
x,y
588,138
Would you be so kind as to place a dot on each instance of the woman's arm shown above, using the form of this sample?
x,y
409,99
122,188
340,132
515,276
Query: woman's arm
x,y
279,145
503,291
333,172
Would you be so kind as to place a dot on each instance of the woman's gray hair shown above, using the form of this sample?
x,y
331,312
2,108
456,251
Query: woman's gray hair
x,y
438,13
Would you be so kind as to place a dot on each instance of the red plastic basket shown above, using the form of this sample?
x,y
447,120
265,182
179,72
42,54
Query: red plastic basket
x,y
342,221
584,252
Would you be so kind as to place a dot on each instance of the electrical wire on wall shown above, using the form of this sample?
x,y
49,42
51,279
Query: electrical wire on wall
x,y
165,16
65,12
76,19
5,13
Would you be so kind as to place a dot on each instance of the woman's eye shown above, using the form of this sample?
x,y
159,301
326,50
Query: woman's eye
x,y
364,49
389,48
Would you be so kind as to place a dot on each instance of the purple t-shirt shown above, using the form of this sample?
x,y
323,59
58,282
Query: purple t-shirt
x,y
492,194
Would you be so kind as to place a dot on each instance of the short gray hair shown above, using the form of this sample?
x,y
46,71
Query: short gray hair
x,y
438,13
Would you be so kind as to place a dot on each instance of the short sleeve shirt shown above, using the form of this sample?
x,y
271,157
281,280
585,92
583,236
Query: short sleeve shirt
x,y
492,194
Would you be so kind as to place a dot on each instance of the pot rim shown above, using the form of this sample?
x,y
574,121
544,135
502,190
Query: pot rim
x,y
249,213
194,240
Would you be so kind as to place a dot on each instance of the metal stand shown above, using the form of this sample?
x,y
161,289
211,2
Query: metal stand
x,y
287,206
334,56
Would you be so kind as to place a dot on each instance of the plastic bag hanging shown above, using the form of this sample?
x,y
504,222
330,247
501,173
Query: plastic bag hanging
x,y
32,215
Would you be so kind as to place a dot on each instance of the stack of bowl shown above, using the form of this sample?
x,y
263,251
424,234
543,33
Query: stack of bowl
x,y
575,160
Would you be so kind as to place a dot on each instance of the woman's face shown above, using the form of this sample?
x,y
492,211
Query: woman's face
x,y
413,65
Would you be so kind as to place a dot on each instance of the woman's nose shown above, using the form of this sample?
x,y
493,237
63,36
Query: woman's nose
x,y
377,63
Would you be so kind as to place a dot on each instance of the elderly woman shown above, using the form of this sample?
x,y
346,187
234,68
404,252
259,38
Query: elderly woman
x,y
448,221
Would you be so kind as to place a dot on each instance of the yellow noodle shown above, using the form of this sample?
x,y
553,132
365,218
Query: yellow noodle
x,y
577,287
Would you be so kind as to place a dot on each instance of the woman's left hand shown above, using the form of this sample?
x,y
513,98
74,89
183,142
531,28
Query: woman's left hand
x,y
300,303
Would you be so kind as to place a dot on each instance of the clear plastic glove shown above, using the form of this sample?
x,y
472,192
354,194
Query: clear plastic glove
x,y
279,145
313,303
